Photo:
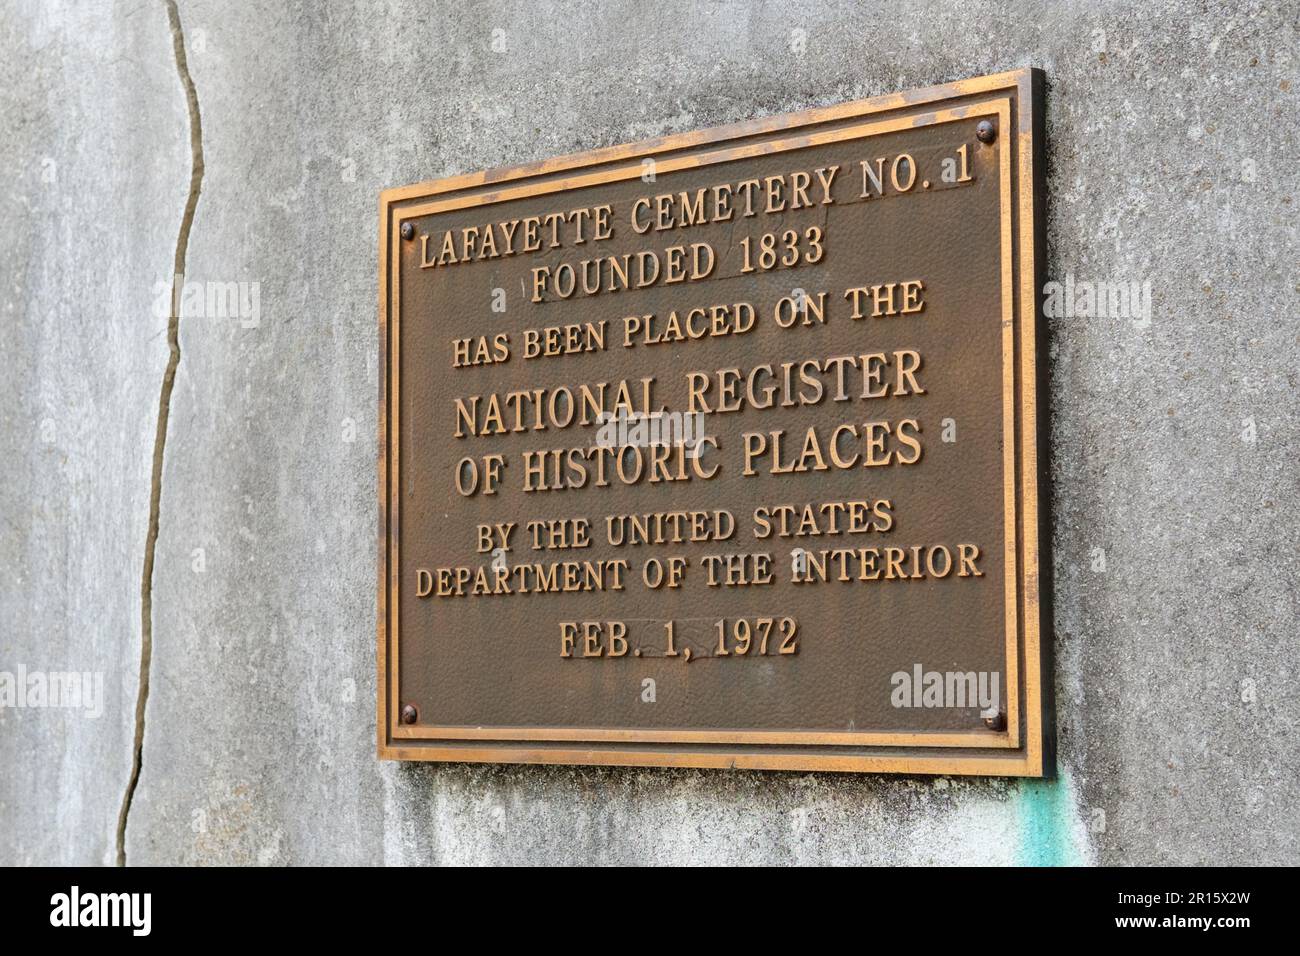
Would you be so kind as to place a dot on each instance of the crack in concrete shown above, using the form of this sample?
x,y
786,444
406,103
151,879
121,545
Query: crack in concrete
x,y
164,413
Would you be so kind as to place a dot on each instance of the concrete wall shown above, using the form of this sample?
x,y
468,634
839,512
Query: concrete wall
x,y
1172,131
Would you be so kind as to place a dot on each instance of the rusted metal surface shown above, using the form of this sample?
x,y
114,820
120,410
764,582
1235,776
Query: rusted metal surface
x,y
866,499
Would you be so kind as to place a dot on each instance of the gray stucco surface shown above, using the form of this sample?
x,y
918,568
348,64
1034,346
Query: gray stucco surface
x,y
1172,132
91,163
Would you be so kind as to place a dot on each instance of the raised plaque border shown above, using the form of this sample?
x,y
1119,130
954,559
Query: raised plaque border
x,y
1015,99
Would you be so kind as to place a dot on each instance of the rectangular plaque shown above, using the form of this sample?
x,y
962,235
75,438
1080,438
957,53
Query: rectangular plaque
x,y
722,449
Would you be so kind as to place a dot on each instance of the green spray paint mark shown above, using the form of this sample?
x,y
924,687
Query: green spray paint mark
x,y
1045,810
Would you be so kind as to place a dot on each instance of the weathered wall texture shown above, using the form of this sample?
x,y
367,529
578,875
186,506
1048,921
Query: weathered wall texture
x,y
1172,131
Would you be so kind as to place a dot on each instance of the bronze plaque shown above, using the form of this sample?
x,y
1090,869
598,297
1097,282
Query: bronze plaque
x,y
721,449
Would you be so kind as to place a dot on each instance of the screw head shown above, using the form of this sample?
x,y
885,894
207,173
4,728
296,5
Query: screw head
x,y
993,720
409,714
986,132
408,231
